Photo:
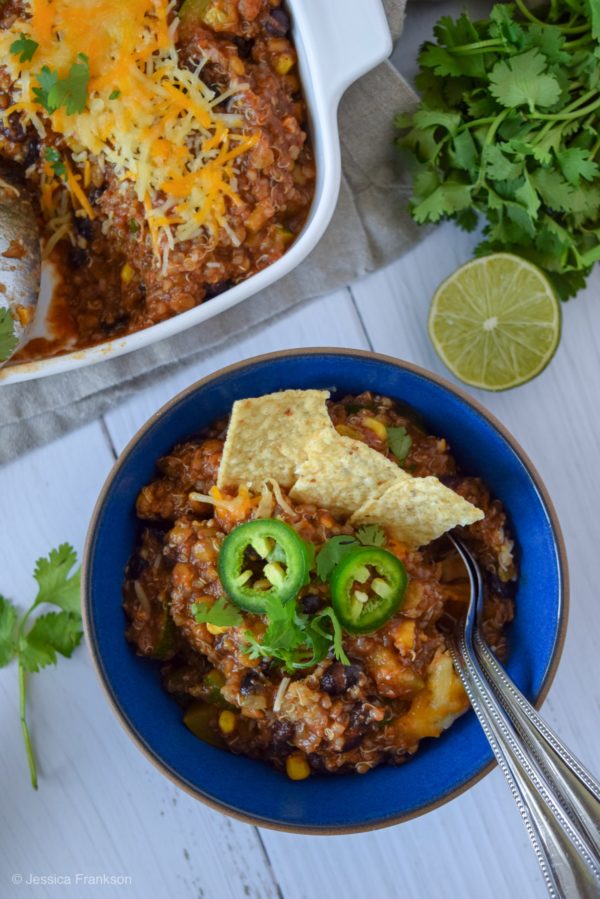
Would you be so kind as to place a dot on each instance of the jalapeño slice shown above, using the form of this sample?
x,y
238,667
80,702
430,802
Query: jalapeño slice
x,y
367,588
260,560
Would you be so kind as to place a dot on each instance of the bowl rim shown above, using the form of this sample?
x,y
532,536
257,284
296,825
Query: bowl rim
x,y
489,417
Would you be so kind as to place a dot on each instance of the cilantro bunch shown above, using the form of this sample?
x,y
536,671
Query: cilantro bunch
x,y
35,645
509,128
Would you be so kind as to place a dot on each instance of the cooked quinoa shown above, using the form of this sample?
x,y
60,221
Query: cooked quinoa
x,y
399,687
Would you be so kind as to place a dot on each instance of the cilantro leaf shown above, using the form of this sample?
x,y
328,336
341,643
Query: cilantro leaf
x,y
338,646
400,442
221,614
311,559
8,338
47,80
285,638
464,152
52,156
332,552
8,620
447,198
575,163
70,92
297,640
114,95
55,632
553,189
522,80
57,584
504,27
24,47
499,167
371,535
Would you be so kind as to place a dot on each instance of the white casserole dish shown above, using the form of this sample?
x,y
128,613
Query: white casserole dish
x,y
337,42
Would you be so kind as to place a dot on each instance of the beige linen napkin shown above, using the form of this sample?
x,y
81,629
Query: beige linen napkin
x,y
370,228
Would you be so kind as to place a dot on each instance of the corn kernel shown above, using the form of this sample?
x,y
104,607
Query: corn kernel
x,y
215,17
377,427
347,431
215,630
237,66
284,233
227,722
24,314
296,766
127,273
404,637
284,63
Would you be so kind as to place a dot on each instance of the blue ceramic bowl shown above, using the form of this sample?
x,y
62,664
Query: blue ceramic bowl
x,y
251,789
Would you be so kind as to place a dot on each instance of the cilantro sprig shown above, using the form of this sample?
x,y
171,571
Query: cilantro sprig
x,y
333,550
52,155
295,639
36,645
70,91
8,338
508,130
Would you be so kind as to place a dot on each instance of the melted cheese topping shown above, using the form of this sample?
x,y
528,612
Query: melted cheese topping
x,y
161,131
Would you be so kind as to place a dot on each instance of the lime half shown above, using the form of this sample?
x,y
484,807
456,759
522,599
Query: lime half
x,y
495,322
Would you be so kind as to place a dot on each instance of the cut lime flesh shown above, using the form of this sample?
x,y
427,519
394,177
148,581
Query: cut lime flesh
x,y
495,322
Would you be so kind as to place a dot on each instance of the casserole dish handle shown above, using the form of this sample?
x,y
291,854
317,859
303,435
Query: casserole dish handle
x,y
348,37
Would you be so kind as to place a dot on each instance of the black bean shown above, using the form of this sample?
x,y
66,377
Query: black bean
x,y
278,23
244,47
95,193
77,257
136,566
33,152
359,717
310,603
504,589
114,324
84,227
281,734
14,130
338,678
213,290
352,742
251,683
451,480
317,762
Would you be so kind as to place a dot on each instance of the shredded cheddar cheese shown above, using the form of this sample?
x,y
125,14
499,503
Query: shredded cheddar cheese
x,y
154,121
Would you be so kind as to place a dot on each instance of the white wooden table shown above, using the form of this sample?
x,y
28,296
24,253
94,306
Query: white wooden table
x,y
102,808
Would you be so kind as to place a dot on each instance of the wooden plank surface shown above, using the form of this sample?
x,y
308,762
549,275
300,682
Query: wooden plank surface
x,y
101,807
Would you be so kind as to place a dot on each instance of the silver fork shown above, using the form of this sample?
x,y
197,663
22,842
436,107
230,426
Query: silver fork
x,y
557,797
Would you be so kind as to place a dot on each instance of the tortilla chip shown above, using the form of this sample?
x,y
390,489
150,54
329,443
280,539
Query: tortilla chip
x,y
417,510
340,474
267,436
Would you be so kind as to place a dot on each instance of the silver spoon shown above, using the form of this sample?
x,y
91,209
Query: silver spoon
x,y
559,800
20,256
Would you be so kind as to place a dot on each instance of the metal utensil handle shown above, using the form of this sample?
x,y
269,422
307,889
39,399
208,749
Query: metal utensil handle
x,y
578,789
566,860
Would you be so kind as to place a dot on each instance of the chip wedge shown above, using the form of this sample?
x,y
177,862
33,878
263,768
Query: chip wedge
x,y
417,510
341,473
267,436
495,322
